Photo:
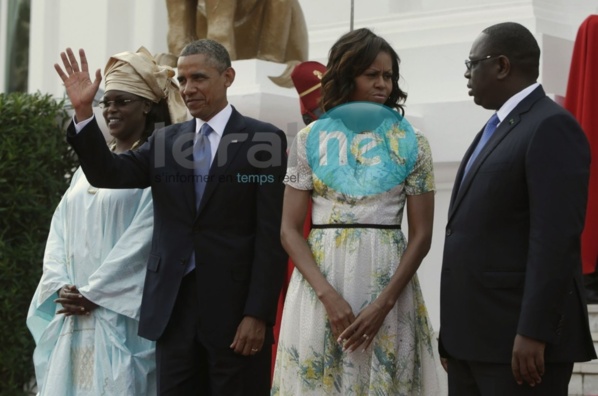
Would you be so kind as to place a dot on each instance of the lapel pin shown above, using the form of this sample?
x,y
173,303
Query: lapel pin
x,y
511,121
234,141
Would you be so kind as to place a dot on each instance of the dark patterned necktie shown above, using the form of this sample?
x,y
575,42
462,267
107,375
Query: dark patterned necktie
x,y
202,159
488,131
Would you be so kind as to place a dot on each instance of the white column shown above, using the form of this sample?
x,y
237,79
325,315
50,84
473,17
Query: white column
x,y
3,46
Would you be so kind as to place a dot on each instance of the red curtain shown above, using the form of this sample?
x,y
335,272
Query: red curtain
x,y
582,101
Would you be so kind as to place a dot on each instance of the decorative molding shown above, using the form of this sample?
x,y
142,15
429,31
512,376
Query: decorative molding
x,y
429,28
417,29
561,18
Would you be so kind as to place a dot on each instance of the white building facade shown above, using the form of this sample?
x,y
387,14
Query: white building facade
x,y
432,37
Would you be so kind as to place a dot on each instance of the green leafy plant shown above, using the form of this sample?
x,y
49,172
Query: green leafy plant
x,y
35,167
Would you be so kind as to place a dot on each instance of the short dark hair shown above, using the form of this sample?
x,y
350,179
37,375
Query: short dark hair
x,y
214,51
518,44
350,56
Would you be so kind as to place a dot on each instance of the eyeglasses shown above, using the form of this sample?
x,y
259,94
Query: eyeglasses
x,y
469,63
118,103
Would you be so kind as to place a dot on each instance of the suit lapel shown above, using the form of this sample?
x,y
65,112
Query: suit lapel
x,y
229,147
506,126
184,166
503,130
458,185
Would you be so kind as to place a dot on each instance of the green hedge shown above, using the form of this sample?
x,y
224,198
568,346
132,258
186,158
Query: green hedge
x,y
35,164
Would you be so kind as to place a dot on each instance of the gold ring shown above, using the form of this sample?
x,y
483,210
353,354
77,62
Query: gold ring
x,y
365,336
254,350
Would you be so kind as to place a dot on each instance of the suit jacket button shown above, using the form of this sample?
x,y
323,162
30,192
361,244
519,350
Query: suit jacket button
x,y
448,232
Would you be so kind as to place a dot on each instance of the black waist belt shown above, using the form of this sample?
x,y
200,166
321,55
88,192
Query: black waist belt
x,y
359,225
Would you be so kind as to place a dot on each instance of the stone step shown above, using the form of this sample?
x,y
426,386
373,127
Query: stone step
x,y
583,384
584,381
593,315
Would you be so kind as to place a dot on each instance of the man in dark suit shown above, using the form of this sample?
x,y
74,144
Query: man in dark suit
x,y
216,264
513,315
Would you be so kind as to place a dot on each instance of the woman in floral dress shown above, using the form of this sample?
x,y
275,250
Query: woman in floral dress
x,y
354,320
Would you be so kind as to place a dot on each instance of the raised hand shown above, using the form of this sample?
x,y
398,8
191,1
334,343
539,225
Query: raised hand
x,y
77,82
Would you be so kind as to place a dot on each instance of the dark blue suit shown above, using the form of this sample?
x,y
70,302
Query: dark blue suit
x,y
240,262
512,248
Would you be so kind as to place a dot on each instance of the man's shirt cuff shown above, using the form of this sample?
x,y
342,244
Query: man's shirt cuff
x,y
80,125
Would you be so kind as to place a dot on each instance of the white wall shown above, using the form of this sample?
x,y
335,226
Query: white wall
x,y
432,37
102,28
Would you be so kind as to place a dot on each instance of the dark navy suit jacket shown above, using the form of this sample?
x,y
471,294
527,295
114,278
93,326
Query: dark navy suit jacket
x,y
240,262
512,248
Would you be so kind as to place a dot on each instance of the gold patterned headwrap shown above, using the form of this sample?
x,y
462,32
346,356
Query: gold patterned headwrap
x,y
139,74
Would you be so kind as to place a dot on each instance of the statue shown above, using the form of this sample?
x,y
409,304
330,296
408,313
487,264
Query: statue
x,y
272,30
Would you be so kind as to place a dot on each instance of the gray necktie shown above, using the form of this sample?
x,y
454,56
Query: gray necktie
x,y
488,131
202,158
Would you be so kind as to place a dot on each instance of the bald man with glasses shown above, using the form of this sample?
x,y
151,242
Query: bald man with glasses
x,y
513,314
